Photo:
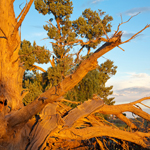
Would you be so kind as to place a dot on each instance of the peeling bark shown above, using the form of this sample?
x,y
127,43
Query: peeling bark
x,y
18,127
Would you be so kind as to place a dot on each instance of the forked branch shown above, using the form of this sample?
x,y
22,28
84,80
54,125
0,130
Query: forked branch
x,y
23,14
21,11
124,22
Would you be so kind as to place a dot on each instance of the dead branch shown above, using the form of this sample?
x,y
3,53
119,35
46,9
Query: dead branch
x,y
21,10
73,102
140,100
124,22
67,84
147,26
117,109
126,120
100,144
52,62
121,48
144,105
81,42
22,17
79,53
82,110
98,131
35,67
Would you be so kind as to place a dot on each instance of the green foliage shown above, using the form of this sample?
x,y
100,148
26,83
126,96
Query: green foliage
x,y
32,54
59,8
66,34
61,69
35,89
90,25
94,83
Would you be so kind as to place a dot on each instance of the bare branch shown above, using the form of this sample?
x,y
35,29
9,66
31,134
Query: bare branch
x,y
140,100
52,62
81,42
21,11
127,121
98,131
22,17
64,86
100,144
144,105
73,102
125,22
79,53
117,109
37,68
121,48
147,26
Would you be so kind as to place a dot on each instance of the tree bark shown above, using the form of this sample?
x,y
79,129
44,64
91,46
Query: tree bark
x,y
10,72
19,129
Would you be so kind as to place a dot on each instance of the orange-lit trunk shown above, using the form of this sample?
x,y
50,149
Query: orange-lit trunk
x,y
10,71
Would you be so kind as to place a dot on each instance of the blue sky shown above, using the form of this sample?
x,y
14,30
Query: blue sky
x,y
132,80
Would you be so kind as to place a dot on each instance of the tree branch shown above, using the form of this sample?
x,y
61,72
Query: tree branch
x,y
124,22
73,102
126,120
22,17
121,48
147,26
52,62
37,68
52,94
98,131
81,42
79,53
104,30
118,109
21,11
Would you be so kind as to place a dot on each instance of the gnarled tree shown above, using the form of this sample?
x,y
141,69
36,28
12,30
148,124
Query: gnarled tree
x,y
19,129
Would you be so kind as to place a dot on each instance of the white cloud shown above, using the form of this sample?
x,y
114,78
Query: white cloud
x,y
89,2
131,94
117,94
129,87
39,34
128,35
134,11
96,1
130,79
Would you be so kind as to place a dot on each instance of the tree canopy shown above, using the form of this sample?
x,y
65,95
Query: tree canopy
x,y
66,34
19,129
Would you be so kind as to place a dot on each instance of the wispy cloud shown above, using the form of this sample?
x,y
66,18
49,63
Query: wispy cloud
x,y
145,91
131,87
96,1
130,79
130,34
39,34
134,11
90,2
131,94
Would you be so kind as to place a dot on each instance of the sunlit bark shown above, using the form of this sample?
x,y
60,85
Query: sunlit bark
x,y
19,129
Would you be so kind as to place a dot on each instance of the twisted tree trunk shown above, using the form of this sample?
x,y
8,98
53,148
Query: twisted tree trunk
x,y
19,130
